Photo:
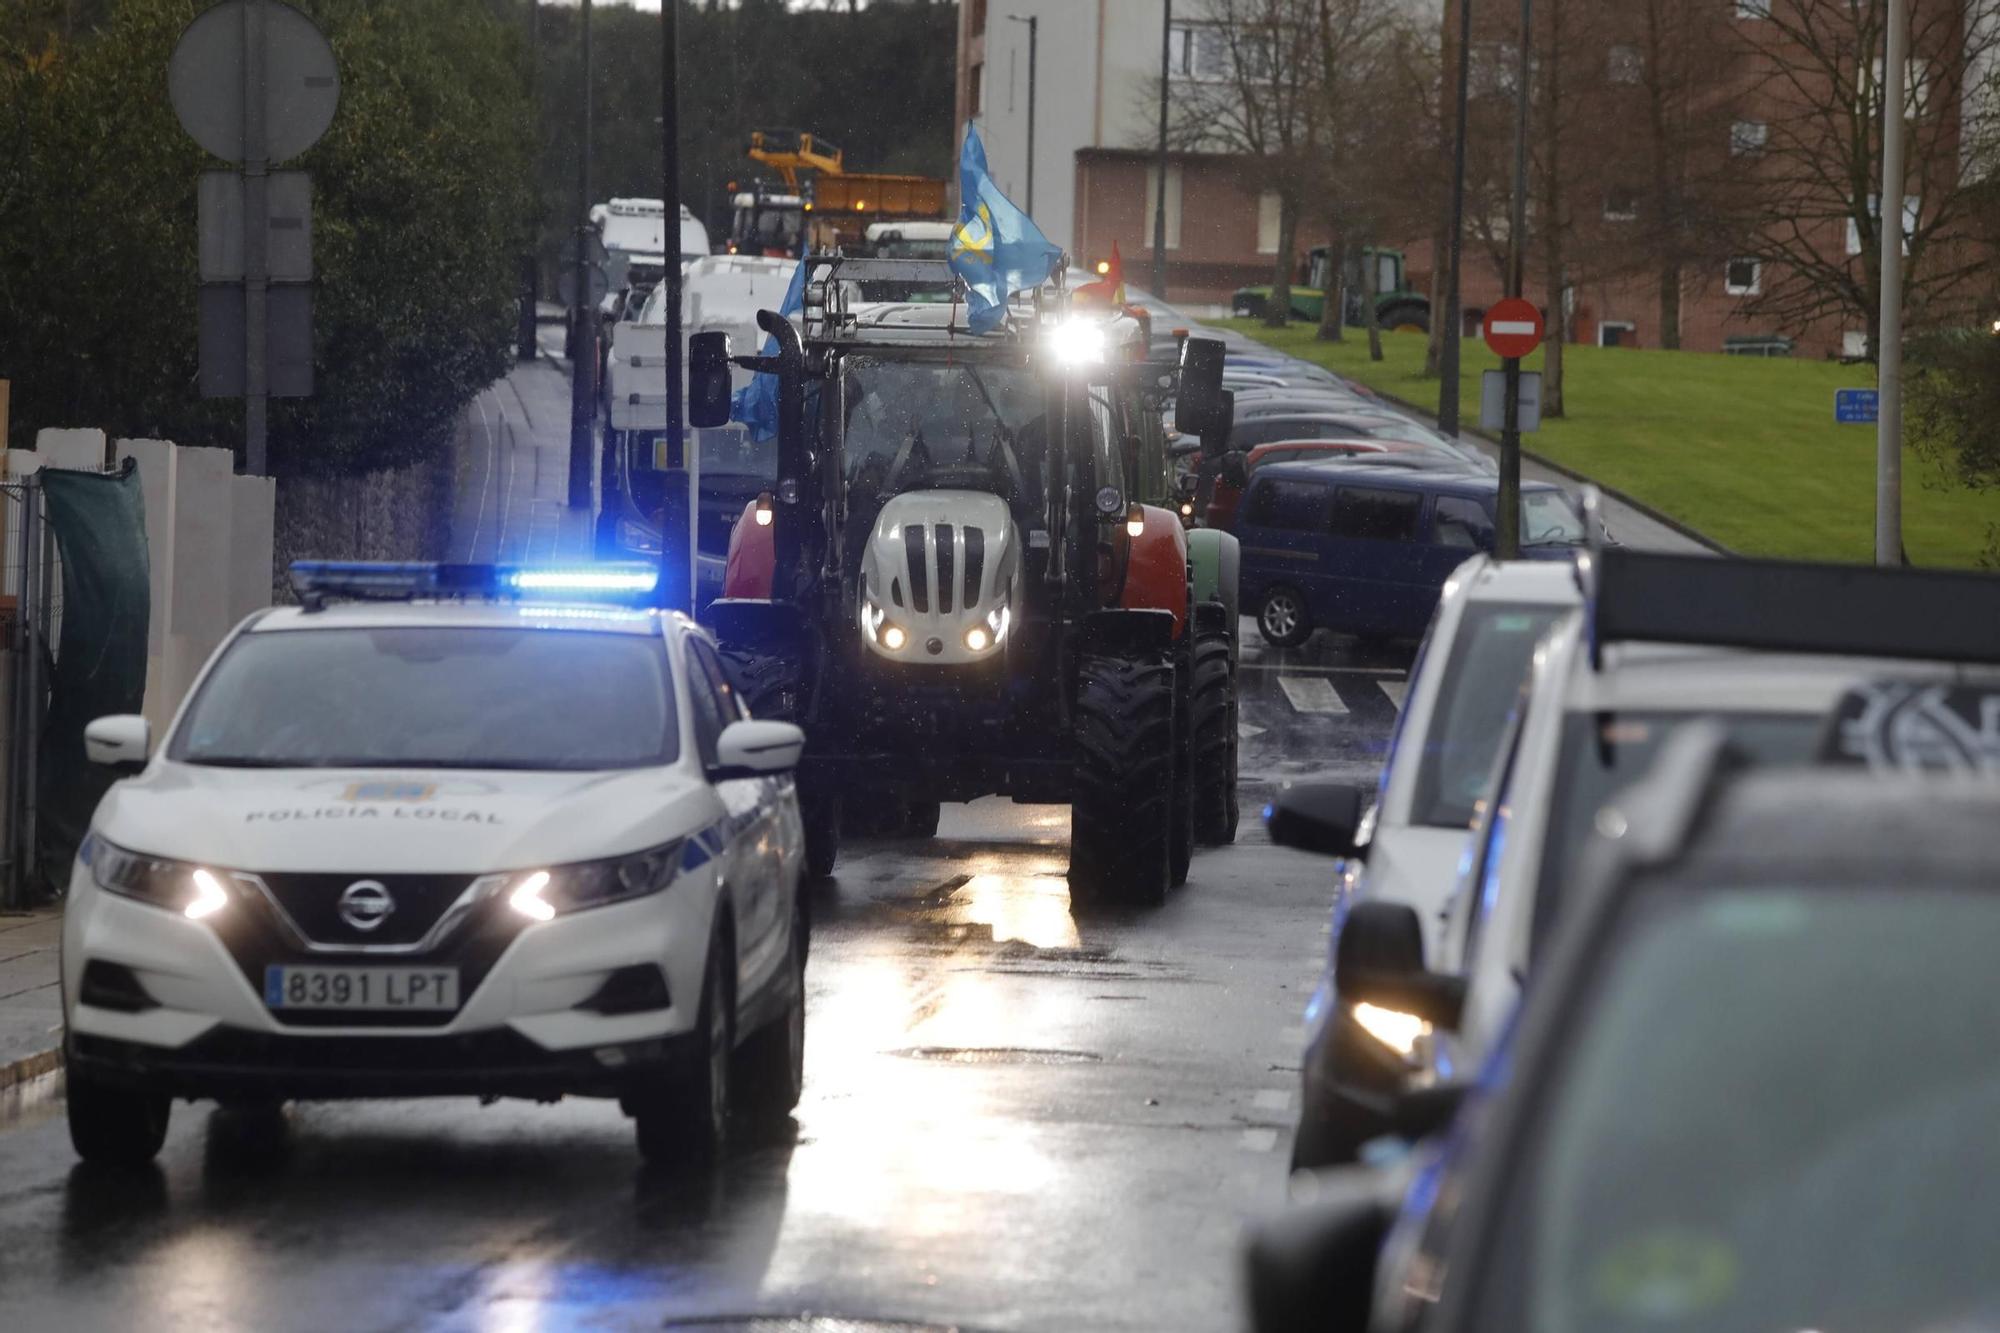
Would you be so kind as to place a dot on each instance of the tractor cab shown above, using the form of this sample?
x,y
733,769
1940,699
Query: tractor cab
x,y
962,524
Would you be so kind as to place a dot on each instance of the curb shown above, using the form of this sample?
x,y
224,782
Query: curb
x,y
30,1067
1663,519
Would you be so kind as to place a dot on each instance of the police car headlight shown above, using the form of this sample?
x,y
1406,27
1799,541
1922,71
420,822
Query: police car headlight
x,y
193,891
541,895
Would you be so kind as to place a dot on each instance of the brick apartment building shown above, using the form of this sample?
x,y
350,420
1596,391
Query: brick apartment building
x,y
1097,66
1093,180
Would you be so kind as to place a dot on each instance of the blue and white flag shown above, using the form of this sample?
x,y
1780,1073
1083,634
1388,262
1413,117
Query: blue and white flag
x,y
997,249
756,403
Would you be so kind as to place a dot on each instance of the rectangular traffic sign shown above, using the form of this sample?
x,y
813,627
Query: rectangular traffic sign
x,y
288,339
1493,400
288,247
1855,407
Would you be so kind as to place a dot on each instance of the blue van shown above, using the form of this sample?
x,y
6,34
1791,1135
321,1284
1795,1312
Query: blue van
x,y
1364,548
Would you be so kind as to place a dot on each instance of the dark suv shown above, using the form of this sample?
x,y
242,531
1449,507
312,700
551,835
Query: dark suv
x,y
1364,548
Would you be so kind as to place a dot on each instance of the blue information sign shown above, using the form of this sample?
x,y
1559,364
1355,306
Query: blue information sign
x,y
1855,407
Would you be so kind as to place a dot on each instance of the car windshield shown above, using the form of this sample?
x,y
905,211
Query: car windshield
x,y
1603,753
1549,519
1777,1113
1482,677
434,697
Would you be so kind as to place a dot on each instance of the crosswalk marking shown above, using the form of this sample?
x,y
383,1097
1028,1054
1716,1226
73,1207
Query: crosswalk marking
x,y
1311,694
1395,689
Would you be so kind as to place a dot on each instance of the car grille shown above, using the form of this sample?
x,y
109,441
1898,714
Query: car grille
x,y
943,563
311,904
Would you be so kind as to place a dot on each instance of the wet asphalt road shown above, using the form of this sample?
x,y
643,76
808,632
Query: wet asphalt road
x,y
1015,1118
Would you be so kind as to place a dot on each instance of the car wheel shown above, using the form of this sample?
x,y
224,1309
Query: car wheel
x,y
1281,618
114,1125
922,821
773,1063
685,1118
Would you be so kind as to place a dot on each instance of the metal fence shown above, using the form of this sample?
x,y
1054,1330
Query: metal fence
x,y
30,623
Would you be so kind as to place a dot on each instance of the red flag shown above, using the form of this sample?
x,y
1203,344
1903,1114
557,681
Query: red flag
x,y
1108,290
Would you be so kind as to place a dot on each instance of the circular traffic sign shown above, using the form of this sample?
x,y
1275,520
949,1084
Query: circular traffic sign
x,y
206,74
1513,327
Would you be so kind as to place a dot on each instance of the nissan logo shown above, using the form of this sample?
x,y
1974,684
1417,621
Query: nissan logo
x,y
366,904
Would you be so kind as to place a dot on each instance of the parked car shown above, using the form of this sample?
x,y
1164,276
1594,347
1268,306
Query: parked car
x,y
1336,422
1745,1092
1454,715
1227,493
1364,550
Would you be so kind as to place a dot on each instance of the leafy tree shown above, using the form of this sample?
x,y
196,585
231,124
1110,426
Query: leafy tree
x,y
1954,412
419,210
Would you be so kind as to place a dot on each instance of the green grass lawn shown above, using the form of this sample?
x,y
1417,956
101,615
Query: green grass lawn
x,y
1743,449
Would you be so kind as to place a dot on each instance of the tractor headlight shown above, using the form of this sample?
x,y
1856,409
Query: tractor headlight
x,y
541,895
875,624
997,621
193,891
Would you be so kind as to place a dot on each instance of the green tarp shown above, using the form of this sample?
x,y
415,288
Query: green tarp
x,y
99,520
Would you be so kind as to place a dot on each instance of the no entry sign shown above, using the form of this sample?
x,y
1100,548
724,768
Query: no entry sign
x,y
1513,327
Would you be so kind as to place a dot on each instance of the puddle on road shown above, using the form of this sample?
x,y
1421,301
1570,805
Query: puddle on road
x,y
1033,909
997,1055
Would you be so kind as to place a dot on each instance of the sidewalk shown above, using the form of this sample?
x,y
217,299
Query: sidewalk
x,y
30,1003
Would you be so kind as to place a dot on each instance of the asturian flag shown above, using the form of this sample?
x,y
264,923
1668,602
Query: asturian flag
x,y
756,403
997,249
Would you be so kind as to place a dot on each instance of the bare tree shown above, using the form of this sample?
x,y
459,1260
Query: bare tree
x,y
1262,106
1816,227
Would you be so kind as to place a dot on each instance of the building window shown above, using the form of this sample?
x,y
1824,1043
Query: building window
x,y
978,23
1916,85
1743,277
1624,64
1617,333
975,89
1753,9
1621,204
1173,203
1197,51
1854,345
1748,137
1912,207
1270,211
1496,68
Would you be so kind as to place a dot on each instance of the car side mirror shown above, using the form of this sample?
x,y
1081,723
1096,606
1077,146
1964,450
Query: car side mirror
x,y
1321,817
1200,407
756,750
120,742
1312,1267
1379,960
708,379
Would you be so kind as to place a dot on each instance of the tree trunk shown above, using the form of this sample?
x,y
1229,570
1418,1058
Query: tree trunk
x,y
1670,304
1332,313
1371,319
1279,308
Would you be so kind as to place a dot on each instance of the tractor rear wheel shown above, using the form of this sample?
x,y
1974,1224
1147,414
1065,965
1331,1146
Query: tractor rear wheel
x,y
1213,725
1180,829
1120,845
773,688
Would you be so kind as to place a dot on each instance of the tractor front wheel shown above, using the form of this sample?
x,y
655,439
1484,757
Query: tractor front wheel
x,y
1213,724
1121,807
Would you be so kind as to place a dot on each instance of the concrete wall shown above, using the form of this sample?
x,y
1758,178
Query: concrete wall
x,y
208,539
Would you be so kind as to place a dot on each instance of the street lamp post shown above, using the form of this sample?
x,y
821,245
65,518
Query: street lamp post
x,y
679,528
583,317
1889,355
1160,171
1507,525
1033,21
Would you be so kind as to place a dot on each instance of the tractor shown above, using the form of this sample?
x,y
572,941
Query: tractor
x,y
1397,306
971,578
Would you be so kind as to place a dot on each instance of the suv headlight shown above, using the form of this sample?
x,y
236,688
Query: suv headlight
x,y
542,894
193,891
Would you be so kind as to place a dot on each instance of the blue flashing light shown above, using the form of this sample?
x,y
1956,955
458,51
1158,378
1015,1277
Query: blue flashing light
x,y
317,581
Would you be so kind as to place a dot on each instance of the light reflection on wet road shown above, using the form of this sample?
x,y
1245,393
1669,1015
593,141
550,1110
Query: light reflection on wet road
x,y
1015,1118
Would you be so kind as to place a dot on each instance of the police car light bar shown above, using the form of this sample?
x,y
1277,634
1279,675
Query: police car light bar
x,y
1789,606
317,581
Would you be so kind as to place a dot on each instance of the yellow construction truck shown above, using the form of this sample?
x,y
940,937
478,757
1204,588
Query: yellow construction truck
x,y
814,192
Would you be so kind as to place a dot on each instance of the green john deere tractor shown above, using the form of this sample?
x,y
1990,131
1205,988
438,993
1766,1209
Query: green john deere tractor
x,y
1396,305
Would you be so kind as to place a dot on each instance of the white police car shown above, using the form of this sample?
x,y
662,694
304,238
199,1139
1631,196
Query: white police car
x,y
443,830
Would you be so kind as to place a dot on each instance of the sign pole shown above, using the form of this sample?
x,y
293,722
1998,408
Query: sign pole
x,y
1160,171
1507,523
1889,355
1448,350
583,314
675,564
256,234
